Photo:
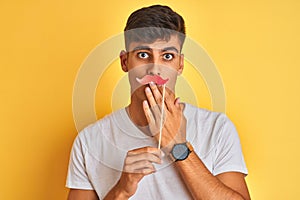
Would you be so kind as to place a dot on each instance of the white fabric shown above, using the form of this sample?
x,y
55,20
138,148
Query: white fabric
x,y
99,150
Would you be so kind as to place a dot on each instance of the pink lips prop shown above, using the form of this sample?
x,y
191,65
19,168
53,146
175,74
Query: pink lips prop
x,y
150,78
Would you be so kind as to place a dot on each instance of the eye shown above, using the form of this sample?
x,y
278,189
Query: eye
x,y
168,56
143,55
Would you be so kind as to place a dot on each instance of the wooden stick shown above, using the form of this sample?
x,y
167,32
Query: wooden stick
x,y
161,116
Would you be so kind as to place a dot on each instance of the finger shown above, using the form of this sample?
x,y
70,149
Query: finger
x,y
156,113
142,164
150,97
148,149
137,167
156,93
171,103
148,113
177,101
144,171
168,97
152,116
168,92
143,156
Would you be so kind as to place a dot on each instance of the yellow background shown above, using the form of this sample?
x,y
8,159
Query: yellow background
x,y
255,45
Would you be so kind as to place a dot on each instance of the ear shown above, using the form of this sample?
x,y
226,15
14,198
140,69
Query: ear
x,y
123,60
181,64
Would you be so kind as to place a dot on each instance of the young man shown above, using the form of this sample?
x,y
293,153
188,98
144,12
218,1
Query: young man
x,y
157,147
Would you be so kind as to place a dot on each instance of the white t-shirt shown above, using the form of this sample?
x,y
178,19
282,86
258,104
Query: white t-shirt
x,y
98,153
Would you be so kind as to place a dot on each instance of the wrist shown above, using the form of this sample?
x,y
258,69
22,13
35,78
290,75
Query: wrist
x,y
120,193
167,147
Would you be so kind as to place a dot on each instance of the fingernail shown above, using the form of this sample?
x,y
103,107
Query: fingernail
x,y
148,90
145,103
151,83
148,171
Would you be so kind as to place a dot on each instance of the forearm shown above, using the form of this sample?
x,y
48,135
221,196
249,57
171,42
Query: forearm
x,y
116,194
201,183
79,194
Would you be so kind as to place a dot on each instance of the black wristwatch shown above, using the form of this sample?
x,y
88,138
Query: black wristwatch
x,y
181,151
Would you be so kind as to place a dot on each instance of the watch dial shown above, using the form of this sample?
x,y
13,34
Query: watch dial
x,y
180,151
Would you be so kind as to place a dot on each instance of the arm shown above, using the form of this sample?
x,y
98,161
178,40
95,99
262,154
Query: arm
x,y
75,194
203,185
77,176
198,179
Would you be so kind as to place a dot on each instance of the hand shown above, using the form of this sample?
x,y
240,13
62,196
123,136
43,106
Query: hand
x,y
137,164
174,125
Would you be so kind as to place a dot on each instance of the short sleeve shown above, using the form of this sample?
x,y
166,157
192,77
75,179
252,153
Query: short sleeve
x,y
77,176
228,152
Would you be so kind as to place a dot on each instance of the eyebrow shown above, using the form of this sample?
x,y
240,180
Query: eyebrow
x,y
150,49
170,49
142,48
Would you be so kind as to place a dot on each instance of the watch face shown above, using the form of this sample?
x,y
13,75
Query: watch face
x,y
180,151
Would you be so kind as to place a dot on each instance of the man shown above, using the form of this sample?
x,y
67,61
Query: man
x,y
157,147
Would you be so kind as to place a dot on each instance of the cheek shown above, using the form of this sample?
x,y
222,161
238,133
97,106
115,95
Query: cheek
x,y
134,63
174,64
133,73
170,69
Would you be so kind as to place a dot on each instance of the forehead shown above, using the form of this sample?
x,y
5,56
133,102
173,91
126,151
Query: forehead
x,y
158,44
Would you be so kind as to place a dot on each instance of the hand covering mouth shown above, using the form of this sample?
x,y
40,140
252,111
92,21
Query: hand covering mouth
x,y
152,78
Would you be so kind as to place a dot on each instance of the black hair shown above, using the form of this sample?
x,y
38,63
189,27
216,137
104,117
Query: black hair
x,y
154,22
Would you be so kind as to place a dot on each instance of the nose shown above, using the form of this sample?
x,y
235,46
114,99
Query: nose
x,y
153,69
155,66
